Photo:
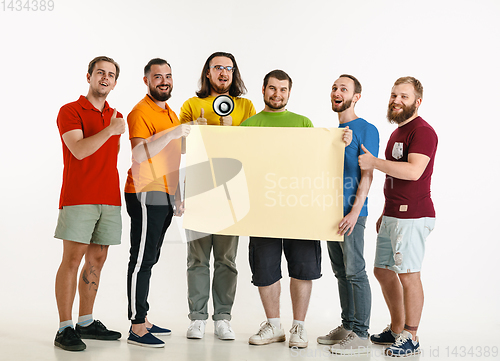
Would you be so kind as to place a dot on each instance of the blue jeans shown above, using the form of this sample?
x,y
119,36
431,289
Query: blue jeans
x,y
348,264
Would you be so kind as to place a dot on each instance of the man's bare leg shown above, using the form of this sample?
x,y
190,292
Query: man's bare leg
x,y
66,277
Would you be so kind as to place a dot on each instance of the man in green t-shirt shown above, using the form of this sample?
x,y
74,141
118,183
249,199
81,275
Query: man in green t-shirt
x,y
303,257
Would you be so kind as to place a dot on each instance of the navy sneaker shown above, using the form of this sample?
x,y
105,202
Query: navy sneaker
x,y
97,331
69,340
148,340
384,338
404,346
159,331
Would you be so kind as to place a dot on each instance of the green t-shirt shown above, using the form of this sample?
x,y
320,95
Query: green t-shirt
x,y
277,119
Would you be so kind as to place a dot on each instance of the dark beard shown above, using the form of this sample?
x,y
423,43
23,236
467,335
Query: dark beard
x,y
271,106
160,96
406,114
345,105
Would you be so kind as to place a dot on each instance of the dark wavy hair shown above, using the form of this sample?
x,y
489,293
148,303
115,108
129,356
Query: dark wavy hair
x,y
237,86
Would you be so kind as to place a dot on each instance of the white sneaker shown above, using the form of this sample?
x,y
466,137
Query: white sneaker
x,y
268,333
352,344
196,329
298,337
223,330
334,336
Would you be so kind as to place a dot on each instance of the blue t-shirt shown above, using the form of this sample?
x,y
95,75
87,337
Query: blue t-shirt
x,y
362,133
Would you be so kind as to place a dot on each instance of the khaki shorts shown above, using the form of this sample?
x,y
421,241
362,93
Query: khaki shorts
x,y
90,223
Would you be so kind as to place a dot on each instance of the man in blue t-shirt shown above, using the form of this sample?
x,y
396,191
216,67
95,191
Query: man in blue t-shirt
x,y
346,257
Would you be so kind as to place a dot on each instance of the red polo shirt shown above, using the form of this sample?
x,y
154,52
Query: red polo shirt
x,y
94,179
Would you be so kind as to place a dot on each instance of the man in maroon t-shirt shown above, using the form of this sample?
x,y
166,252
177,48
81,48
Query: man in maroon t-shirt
x,y
408,215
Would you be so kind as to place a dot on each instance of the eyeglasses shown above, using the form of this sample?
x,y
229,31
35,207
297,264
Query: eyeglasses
x,y
220,68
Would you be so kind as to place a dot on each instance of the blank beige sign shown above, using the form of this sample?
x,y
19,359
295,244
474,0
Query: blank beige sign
x,y
268,182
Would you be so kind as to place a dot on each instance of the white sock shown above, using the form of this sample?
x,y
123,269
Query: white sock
x,y
85,320
275,322
297,322
64,324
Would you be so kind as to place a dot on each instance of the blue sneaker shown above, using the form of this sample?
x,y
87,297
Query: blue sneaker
x,y
148,340
404,346
386,337
159,331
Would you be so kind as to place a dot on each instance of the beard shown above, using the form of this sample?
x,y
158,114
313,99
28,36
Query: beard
x,y
220,89
159,95
406,113
281,105
345,105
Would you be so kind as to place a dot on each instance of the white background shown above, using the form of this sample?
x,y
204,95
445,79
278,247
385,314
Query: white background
x,y
451,46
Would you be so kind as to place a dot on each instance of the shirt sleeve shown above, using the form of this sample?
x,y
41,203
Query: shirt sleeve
x,y
186,114
371,140
138,126
68,119
423,140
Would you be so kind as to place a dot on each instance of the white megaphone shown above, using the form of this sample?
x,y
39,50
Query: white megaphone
x,y
223,105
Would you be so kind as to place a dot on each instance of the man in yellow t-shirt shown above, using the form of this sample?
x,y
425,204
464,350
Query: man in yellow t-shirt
x,y
220,76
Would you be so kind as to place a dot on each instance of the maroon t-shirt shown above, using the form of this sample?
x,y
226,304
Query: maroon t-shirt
x,y
405,198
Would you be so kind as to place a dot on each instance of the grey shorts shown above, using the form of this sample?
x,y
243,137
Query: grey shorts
x,y
90,223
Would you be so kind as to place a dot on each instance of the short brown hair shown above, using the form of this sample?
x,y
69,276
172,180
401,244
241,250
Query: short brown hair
x,y
357,84
280,75
155,61
103,58
417,85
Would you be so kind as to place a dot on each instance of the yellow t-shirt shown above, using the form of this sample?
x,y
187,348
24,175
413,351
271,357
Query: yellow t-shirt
x,y
191,110
161,172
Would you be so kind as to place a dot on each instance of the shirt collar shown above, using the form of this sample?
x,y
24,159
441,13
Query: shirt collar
x,y
85,104
155,106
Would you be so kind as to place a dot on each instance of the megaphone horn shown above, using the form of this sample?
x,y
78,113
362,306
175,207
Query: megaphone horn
x,y
223,105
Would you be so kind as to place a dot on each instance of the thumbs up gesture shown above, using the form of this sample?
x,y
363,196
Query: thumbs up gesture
x,y
201,120
366,161
116,125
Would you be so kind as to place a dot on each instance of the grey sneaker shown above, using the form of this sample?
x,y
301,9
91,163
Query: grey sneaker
x,y
334,336
267,334
223,330
352,344
298,337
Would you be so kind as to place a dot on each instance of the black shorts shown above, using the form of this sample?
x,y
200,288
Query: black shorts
x,y
303,257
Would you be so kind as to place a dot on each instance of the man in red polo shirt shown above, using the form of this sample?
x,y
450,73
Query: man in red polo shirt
x,y
89,207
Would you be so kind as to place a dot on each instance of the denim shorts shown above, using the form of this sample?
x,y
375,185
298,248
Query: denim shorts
x,y
303,257
90,223
401,243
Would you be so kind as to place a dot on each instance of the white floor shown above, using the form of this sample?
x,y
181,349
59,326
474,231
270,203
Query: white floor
x,y
460,319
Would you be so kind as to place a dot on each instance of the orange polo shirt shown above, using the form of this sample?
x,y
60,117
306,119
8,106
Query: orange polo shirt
x,y
161,172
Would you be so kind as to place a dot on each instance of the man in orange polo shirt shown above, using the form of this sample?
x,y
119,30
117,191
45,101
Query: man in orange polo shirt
x,y
151,192
89,216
